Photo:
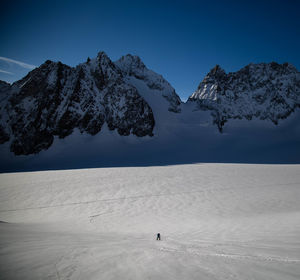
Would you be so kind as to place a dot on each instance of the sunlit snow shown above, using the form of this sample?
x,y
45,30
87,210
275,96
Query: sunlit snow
x,y
217,221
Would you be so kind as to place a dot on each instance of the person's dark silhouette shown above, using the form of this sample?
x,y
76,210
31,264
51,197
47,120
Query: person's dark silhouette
x,y
158,236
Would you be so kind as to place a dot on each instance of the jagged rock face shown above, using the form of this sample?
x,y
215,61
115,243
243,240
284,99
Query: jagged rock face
x,y
132,66
264,91
4,87
54,99
126,112
4,132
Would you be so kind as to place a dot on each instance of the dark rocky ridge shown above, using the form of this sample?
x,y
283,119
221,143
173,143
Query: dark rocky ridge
x,y
54,99
263,91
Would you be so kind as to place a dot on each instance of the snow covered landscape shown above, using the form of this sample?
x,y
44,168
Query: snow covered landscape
x,y
123,114
118,157
150,140
217,221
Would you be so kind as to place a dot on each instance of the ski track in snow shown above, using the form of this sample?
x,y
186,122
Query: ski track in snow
x,y
217,221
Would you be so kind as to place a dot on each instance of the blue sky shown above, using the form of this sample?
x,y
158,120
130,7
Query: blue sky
x,y
182,40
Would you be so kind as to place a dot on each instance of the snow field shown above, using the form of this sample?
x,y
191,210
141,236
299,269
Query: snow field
x,y
217,221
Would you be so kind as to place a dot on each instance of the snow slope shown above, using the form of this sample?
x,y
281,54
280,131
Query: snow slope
x,y
217,221
185,138
134,69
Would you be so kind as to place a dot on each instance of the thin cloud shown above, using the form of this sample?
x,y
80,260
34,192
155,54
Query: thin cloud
x,y
20,63
6,72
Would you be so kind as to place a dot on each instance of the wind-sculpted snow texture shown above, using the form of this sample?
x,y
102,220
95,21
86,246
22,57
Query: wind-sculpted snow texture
x,y
217,221
54,99
263,91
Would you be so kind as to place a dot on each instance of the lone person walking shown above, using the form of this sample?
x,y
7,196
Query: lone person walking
x,y
158,236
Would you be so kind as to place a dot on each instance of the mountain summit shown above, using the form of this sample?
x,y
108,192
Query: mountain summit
x,y
263,91
54,100
135,71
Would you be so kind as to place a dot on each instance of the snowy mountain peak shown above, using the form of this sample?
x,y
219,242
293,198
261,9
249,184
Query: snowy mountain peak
x,y
138,75
48,61
215,74
102,70
217,70
54,99
264,91
102,56
130,63
102,62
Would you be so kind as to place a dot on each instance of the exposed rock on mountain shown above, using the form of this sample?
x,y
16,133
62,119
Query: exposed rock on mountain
x,y
4,87
263,91
132,66
54,98
4,91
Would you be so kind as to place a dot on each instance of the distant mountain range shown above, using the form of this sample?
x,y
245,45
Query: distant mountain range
x,y
264,91
54,100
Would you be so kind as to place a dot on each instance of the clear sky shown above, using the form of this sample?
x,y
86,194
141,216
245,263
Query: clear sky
x,y
182,40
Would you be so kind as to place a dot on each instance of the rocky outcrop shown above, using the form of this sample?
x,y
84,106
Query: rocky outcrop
x,y
263,91
54,99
